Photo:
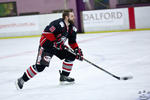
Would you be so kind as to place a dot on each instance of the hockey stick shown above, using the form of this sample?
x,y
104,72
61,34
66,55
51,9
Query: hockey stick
x,y
117,77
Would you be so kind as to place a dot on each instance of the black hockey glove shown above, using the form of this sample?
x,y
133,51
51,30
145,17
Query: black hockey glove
x,y
59,43
79,54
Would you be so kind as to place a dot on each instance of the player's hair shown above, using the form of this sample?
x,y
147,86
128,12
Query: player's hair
x,y
66,13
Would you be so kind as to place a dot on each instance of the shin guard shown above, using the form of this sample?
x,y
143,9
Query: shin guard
x,y
31,72
67,67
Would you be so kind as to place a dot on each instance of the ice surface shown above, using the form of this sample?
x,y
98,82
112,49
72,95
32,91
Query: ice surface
x,y
121,53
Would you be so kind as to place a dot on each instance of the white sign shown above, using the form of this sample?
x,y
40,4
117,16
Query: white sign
x,y
94,20
19,24
142,17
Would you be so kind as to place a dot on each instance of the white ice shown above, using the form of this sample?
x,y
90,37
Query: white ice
x,y
121,53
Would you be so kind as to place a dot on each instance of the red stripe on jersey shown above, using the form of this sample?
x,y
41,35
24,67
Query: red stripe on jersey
x,y
74,45
67,64
29,74
32,70
42,40
49,36
67,69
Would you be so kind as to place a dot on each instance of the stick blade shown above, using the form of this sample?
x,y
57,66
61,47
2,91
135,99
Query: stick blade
x,y
126,78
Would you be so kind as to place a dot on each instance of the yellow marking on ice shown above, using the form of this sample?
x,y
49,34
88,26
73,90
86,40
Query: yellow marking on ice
x,y
20,37
128,30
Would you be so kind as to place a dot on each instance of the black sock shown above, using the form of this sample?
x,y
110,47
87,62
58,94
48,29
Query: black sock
x,y
25,77
65,73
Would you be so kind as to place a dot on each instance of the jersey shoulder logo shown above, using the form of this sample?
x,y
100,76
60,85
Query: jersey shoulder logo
x,y
61,24
52,29
74,29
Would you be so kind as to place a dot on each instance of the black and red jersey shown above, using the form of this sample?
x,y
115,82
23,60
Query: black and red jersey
x,y
57,27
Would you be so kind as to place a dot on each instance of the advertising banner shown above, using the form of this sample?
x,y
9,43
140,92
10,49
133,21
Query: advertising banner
x,y
19,24
98,20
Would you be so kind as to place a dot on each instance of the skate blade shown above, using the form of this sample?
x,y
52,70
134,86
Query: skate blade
x,y
16,84
66,83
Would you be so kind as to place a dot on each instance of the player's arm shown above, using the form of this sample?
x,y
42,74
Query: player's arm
x,y
74,45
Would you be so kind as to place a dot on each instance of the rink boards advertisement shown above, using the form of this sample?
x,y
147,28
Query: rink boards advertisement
x,y
100,20
25,25
116,19
19,24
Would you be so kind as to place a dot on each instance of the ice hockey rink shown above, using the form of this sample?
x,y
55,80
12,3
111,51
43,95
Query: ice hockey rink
x,y
121,53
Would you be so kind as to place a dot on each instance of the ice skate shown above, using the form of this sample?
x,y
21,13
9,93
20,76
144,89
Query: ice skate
x,y
19,83
65,80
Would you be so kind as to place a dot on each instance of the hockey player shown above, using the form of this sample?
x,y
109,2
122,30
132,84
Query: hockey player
x,y
52,43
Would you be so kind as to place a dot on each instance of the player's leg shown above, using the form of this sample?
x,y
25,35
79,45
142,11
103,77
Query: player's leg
x,y
43,60
66,66
66,69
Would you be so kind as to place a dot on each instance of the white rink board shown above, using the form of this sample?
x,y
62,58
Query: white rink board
x,y
19,24
105,20
25,25
142,17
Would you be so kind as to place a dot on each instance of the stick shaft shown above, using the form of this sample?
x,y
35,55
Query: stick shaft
x,y
101,69
71,51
